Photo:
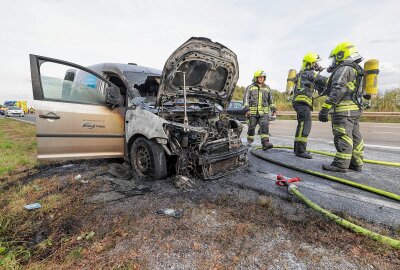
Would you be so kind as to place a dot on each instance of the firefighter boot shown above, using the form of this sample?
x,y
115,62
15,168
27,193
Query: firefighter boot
x,y
333,168
266,144
299,150
306,155
355,168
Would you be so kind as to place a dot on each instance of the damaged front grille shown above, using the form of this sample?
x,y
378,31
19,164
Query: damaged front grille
x,y
224,166
207,148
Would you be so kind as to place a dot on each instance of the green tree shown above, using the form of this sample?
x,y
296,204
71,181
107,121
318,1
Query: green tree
x,y
238,92
386,102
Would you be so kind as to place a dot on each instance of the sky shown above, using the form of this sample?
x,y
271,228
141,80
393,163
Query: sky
x,y
269,35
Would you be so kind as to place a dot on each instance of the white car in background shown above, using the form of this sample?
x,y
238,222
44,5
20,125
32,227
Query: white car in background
x,y
14,111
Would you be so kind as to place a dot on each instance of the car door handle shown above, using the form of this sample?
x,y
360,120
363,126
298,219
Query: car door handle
x,y
49,115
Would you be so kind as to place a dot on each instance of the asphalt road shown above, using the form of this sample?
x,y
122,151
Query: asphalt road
x,y
382,142
383,135
261,176
27,118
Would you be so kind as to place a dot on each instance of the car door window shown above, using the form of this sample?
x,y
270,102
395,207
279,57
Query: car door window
x,y
235,105
67,84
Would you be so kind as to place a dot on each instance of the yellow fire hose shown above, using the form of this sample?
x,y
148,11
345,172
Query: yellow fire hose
x,y
338,220
329,177
378,162
343,222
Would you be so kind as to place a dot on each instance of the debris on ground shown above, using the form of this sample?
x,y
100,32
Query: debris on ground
x,y
32,206
67,166
138,190
129,188
86,236
183,182
120,171
79,178
105,197
170,212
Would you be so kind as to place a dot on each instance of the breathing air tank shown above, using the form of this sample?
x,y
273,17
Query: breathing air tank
x,y
291,79
371,71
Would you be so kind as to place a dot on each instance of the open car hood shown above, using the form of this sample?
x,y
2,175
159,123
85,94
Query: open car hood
x,y
211,72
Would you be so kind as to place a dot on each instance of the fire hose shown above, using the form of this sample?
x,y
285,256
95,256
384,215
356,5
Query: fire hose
x,y
327,176
378,162
293,189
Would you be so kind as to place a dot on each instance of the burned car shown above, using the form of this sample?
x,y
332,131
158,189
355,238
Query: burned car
x,y
168,122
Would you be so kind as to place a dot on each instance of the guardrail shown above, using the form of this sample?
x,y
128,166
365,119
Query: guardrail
x,y
374,114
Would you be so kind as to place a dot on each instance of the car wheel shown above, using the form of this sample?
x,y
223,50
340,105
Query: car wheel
x,y
148,159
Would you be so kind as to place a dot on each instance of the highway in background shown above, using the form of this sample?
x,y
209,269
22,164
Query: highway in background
x,y
381,135
374,134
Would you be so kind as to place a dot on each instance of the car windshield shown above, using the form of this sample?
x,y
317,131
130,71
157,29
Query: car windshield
x,y
137,78
147,84
13,108
235,105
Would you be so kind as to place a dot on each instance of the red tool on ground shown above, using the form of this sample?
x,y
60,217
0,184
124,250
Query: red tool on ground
x,y
283,182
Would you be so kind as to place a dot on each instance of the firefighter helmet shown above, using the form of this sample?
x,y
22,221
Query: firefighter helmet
x,y
342,51
310,59
259,73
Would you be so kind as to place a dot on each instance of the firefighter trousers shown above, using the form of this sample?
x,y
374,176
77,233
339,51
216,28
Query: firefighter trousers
x,y
263,122
348,141
303,129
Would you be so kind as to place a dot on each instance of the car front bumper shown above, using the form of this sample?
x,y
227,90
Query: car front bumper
x,y
218,165
16,114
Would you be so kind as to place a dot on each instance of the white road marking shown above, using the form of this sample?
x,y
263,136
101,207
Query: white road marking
x,y
377,146
385,132
382,146
385,127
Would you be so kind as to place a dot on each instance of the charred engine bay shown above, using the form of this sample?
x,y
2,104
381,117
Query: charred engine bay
x,y
211,139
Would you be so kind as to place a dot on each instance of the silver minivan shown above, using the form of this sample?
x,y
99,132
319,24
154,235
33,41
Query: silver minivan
x,y
169,122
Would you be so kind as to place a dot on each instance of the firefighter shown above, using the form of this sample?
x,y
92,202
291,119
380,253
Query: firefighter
x,y
308,80
343,100
257,103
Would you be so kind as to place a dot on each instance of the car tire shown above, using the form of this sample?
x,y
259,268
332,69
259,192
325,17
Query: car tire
x,y
148,159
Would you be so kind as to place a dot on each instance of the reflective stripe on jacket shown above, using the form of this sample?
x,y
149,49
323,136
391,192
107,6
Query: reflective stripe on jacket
x,y
308,81
258,100
342,89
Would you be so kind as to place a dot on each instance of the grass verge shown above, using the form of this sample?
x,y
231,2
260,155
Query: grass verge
x,y
17,146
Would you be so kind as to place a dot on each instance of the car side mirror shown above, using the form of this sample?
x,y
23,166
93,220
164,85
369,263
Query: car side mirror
x,y
114,97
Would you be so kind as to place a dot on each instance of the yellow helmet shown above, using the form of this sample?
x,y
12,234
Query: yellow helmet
x,y
343,51
310,59
259,73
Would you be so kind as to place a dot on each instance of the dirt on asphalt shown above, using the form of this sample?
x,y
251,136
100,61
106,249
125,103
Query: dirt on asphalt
x,y
91,222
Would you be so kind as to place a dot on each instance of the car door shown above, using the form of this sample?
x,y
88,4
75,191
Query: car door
x,y
73,120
